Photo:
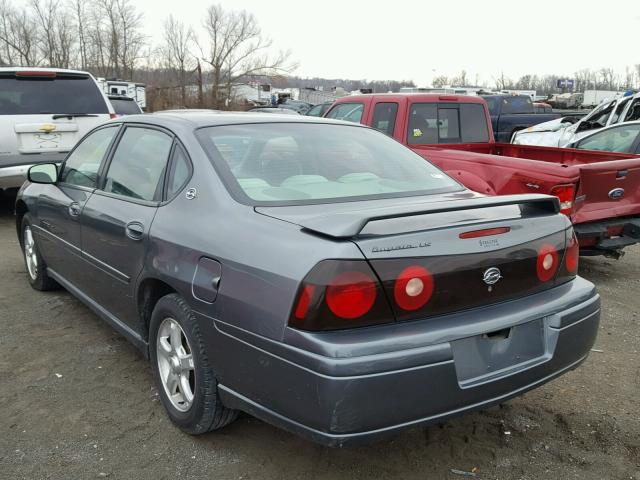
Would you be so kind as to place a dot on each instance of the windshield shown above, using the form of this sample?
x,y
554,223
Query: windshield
x,y
31,95
289,163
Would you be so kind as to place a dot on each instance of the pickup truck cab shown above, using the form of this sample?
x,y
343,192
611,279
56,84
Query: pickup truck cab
x,y
598,191
512,113
43,113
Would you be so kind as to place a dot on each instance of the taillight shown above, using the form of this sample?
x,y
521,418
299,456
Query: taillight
x,y
547,263
572,254
113,115
338,294
413,288
566,195
351,294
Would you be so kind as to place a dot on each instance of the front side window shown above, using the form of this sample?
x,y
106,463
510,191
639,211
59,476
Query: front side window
x,y
81,167
384,117
315,111
350,112
618,139
138,164
289,163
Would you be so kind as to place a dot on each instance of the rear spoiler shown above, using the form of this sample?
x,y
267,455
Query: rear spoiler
x,y
350,223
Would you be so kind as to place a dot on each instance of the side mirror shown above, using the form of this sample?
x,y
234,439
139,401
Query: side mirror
x,y
43,173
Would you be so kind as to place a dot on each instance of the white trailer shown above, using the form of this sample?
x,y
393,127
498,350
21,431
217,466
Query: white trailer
x,y
594,98
137,91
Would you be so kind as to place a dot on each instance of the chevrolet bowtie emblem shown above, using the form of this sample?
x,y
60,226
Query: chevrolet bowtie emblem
x,y
47,128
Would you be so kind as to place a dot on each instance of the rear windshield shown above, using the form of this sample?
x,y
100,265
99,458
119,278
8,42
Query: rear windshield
x,y
434,123
125,107
521,104
291,164
32,96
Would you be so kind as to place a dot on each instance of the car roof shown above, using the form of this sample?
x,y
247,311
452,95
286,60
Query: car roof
x,y
42,69
209,119
426,97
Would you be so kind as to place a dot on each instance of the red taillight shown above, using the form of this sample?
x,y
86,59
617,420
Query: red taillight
x,y
304,301
113,115
413,288
35,73
351,294
566,195
547,263
338,294
485,233
572,255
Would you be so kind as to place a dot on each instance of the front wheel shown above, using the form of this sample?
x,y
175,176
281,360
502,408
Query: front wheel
x,y
36,267
186,382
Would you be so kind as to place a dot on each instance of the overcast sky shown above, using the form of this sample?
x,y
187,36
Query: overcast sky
x,y
417,40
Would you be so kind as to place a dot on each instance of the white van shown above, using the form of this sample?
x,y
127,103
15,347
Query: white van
x,y
43,113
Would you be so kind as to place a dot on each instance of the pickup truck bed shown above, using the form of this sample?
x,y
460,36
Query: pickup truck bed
x,y
599,191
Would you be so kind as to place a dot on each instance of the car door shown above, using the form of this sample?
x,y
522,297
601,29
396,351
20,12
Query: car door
x,y
117,218
60,205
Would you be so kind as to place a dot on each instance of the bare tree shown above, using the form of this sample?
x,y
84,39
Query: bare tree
x,y
176,52
238,49
18,35
55,40
440,81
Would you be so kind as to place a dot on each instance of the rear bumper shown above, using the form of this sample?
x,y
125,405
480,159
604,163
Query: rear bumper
x,y
340,388
596,238
13,169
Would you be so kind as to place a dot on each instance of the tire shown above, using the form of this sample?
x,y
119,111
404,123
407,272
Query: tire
x,y
36,267
169,359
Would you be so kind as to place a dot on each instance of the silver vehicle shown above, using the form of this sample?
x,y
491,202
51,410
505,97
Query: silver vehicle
x,y
564,131
43,113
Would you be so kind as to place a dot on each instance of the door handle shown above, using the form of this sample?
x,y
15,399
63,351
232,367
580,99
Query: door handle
x,y
135,230
74,209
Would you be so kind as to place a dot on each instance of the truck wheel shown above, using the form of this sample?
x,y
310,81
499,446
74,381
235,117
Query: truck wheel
x,y
186,382
36,267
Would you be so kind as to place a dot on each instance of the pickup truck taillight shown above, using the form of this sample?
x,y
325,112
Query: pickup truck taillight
x,y
566,194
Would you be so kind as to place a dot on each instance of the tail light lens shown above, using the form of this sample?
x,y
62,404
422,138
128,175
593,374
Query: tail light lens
x,y
351,294
338,294
547,263
566,194
572,254
413,288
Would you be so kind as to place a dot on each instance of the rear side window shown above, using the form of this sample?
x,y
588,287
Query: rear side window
x,y
384,117
351,112
138,164
433,123
179,173
81,167
44,95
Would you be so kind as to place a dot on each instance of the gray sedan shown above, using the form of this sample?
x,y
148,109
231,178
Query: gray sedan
x,y
313,273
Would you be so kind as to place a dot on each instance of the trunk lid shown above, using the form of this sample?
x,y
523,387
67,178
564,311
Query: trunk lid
x,y
476,251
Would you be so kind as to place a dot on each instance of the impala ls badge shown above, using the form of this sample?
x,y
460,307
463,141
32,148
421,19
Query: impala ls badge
x,y
616,193
491,276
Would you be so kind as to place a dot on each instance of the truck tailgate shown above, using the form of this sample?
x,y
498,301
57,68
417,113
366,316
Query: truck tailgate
x,y
608,190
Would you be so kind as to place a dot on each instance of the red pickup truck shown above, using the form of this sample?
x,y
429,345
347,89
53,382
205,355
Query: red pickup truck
x,y
599,191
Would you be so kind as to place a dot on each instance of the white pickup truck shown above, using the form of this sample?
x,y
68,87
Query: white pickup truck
x,y
564,131
43,113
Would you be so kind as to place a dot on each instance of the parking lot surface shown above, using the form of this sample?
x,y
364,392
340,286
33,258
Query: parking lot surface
x,y
78,401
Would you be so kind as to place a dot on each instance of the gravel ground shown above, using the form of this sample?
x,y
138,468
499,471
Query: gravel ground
x,y
79,402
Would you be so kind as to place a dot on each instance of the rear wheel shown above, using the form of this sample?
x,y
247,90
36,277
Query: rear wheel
x,y
186,382
36,267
